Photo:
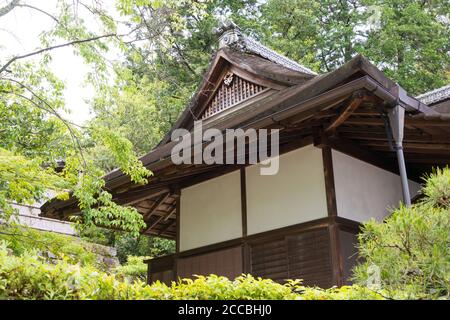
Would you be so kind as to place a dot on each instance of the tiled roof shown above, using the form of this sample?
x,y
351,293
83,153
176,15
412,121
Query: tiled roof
x,y
231,36
256,47
435,95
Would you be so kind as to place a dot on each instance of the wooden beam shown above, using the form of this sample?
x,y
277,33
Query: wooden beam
x,y
346,113
134,196
365,121
412,150
420,123
174,210
154,223
156,204
243,202
426,158
336,257
411,145
352,129
170,224
161,218
313,113
177,243
246,259
329,181
381,136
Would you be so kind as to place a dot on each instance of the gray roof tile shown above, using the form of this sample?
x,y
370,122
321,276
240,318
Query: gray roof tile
x,y
231,36
435,95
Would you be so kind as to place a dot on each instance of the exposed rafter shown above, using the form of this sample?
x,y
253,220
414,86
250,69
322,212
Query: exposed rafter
x,y
358,98
156,204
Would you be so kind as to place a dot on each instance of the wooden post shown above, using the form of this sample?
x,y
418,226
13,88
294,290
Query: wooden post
x,y
177,245
329,181
243,202
177,238
333,228
246,260
336,257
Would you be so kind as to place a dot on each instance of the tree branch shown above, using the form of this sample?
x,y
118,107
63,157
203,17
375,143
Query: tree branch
x,y
24,5
4,67
6,9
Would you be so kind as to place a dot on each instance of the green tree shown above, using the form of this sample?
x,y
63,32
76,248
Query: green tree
x,y
411,248
34,134
407,39
162,68
321,34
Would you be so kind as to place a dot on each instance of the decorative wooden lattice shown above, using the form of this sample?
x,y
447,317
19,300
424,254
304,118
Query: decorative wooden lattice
x,y
232,91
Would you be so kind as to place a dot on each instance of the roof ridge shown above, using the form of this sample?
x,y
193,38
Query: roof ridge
x,y
230,35
435,95
257,47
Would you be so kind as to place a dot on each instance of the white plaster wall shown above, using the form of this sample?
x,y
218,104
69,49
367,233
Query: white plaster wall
x,y
211,212
295,194
363,190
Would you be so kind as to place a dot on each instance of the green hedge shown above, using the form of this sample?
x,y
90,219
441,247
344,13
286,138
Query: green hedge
x,y
29,277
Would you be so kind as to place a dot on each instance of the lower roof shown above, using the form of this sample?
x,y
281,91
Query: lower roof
x,y
436,95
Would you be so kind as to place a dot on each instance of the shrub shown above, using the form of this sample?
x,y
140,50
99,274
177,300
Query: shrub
x,y
30,277
133,269
411,248
127,244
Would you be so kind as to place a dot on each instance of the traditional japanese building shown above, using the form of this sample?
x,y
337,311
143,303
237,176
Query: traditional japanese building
x,y
353,144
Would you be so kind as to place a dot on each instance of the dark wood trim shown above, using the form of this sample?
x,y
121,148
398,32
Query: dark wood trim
x,y
348,225
211,247
157,221
335,255
346,113
155,205
161,263
246,262
259,80
333,227
329,181
177,236
304,226
149,272
244,202
132,197
246,259
170,224
178,218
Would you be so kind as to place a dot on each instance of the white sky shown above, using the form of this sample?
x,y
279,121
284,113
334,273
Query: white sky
x,y
19,34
